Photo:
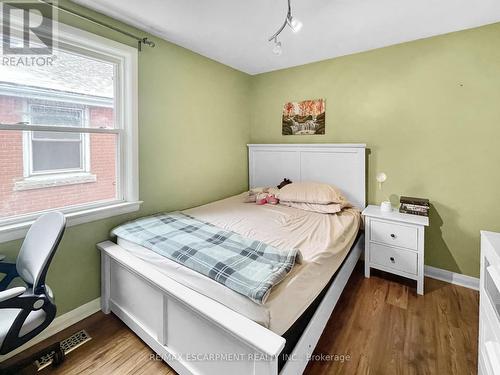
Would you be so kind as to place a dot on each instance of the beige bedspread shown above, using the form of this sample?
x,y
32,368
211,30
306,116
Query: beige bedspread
x,y
323,239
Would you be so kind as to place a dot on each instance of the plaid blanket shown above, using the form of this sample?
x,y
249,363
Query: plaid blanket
x,y
246,266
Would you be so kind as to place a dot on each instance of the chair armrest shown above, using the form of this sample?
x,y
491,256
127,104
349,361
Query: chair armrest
x,y
11,293
20,300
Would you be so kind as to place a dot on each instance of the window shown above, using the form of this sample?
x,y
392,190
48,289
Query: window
x,y
43,148
68,133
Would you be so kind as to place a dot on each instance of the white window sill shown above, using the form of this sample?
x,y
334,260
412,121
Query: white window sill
x,y
51,180
14,231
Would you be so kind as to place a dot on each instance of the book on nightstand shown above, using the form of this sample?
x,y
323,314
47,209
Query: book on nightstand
x,y
414,206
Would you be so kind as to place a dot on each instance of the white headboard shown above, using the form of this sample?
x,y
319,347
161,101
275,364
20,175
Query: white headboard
x,y
342,165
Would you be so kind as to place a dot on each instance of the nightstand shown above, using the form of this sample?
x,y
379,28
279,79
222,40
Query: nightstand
x,y
394,242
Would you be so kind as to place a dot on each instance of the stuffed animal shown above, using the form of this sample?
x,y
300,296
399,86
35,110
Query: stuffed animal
x,y
262,195
285,182
271,199
266,197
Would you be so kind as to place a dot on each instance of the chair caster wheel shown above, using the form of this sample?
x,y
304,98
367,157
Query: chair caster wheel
x,y
58,357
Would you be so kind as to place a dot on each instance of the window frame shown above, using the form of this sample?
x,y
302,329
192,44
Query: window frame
x,y
127,200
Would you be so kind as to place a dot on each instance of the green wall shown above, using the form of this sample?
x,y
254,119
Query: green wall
x,y
429,112
193,131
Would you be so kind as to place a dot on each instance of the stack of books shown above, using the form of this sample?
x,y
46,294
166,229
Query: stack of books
x,y
414,206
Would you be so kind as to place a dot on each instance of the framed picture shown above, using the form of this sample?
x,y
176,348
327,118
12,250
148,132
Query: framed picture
x,y
305,117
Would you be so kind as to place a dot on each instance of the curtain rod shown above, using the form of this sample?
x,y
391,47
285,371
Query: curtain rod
x,y
140,41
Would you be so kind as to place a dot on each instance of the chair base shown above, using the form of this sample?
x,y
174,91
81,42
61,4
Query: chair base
x,y
17,367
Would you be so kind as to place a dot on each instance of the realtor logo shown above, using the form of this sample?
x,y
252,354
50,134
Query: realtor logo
x,y
27,28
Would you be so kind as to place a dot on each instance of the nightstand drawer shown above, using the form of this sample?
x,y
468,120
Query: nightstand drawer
x,y
394,234
398,259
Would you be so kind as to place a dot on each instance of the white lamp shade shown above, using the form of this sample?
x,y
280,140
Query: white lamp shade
x,y
277,48
381,177
295,24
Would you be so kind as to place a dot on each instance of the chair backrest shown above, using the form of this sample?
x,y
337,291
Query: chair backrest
x,y
39,247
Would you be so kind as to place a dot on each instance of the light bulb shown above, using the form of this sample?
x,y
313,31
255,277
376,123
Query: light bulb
x,y
277,48
381,177
295,24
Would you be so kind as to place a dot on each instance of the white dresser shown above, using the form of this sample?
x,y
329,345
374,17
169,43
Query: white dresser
x,y
394,242
489,305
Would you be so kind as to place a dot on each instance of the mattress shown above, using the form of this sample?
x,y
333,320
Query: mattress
x,y
323,239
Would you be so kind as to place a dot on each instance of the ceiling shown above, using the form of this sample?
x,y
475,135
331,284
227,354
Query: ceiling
x,y
235,32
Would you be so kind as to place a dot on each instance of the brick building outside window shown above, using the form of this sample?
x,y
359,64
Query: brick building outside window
x,y
41,170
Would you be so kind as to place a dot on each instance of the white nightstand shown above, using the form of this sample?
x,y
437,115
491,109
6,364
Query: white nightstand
x,y
394,243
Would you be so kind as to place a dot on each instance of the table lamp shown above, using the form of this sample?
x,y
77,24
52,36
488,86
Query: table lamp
x,y
385,206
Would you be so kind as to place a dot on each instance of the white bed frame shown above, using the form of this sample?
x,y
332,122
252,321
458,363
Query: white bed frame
x,y
197,335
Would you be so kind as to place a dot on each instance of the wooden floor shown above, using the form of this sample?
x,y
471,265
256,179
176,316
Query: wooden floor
x,y
380,326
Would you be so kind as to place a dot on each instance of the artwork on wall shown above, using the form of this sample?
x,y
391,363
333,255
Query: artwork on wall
x,y
305,117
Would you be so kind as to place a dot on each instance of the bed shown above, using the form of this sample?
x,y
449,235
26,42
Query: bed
x,y
201,327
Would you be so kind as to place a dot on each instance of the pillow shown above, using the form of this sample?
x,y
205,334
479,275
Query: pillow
x,y
331,208
311,192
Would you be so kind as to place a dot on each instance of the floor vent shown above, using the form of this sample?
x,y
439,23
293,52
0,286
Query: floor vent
x,y
67,345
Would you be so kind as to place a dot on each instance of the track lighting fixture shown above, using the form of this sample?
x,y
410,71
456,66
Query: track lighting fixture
x,y
277,47
292,22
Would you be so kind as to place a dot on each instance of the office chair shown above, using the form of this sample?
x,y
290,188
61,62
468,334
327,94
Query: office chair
x,y
27,311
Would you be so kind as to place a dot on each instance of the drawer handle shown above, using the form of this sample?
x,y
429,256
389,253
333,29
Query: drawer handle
x,y
392,259
393,235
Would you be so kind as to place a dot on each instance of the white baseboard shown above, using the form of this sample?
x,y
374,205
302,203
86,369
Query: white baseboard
x,y
58,324
452,277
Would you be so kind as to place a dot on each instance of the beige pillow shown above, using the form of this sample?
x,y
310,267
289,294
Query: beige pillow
x,y
312,192
331,208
